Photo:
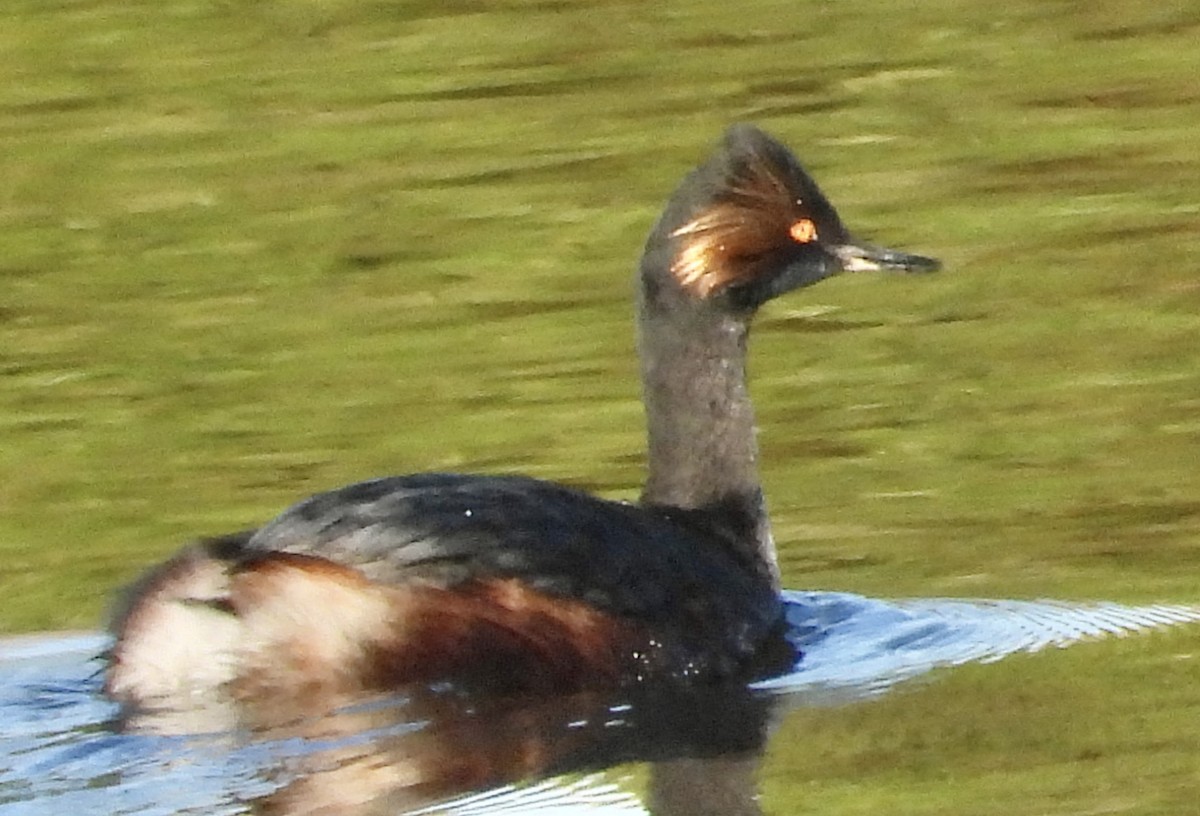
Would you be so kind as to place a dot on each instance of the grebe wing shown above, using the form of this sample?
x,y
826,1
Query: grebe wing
x,y
451,528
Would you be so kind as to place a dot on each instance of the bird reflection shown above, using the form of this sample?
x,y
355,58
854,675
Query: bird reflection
x,y
716,786
404,754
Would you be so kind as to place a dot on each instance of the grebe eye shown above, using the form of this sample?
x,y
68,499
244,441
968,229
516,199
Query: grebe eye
x,y
803,231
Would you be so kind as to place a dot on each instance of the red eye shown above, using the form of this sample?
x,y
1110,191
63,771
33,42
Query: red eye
x,y
803,231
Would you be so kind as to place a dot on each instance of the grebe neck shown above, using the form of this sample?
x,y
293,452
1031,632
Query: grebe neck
x,y
700,423
745,227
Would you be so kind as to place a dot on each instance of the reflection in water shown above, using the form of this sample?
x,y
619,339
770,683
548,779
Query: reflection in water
x,y
402,757
61,748
722,786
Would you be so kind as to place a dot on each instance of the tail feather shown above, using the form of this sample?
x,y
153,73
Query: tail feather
x,y
173,630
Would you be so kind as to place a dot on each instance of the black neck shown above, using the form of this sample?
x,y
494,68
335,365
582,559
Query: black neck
x,y
702,451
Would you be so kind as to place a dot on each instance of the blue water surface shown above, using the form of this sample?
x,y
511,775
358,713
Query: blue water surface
x,y
64,749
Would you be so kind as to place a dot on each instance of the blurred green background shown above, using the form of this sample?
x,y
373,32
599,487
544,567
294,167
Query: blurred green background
x,y
253,250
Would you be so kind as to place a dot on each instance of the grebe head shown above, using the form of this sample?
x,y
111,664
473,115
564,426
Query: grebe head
x,y
749,225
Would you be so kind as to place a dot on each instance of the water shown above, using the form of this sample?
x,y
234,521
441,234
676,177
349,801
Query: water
x,y
64,748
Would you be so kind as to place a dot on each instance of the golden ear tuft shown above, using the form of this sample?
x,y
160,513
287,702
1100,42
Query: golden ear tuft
x,y
753,215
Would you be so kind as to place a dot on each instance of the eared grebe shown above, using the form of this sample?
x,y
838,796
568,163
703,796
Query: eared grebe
x,y
507,584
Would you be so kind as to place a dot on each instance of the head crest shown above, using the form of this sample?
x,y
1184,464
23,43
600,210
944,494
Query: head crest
x,y
758,202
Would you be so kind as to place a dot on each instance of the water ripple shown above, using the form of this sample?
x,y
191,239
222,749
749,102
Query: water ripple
x,y
852,641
